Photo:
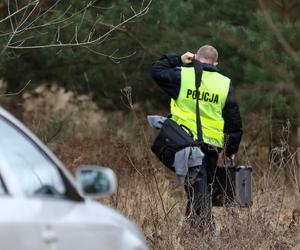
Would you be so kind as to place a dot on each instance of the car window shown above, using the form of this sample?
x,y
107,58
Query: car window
x,y
36,174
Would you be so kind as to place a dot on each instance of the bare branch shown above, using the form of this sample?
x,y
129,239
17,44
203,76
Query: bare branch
x,y
90,41
102,8
14,30
115,59
10,19
31,15
76,34
134,38
133,10
30,25
28,16
58,35
38,17
56,21
18,11
22,41
16,93
142,5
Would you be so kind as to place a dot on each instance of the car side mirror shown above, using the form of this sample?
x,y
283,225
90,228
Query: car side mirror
x,y
97,181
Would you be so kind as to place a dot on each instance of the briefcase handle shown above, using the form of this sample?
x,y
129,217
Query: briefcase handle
x,y
187,130
232,163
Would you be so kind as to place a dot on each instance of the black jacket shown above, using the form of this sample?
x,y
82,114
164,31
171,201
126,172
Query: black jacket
x,y
167,74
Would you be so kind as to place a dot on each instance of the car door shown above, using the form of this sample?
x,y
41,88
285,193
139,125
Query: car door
x,y
38,194
51,213
19,226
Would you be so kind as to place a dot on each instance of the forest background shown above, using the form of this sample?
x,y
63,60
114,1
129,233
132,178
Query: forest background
x,y
59,59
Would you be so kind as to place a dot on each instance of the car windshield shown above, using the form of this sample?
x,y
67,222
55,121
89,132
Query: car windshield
x,y
36,174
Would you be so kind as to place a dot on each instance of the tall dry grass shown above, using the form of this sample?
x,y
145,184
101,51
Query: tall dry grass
x,y
149,194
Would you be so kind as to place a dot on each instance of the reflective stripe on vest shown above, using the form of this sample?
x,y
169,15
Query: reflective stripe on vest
x,y
213,93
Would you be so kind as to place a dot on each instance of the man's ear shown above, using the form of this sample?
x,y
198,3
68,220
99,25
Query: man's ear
x,y
216,64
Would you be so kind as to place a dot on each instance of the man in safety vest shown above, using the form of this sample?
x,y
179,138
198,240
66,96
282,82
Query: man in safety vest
x,y
220,120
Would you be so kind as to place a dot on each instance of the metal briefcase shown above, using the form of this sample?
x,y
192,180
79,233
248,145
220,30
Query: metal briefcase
x,y
232,186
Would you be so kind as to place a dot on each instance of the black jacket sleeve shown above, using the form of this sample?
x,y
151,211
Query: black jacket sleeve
x,y
167,73
233,123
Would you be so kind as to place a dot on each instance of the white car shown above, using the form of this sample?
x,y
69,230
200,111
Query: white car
x,y
42,207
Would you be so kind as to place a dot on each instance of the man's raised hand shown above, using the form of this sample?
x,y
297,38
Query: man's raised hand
x,y
187,57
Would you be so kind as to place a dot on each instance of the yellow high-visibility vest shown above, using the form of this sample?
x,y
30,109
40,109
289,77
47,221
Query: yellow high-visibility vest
x,y
212,97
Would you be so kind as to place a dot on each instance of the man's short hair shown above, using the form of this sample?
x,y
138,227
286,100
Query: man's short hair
x,y
209,53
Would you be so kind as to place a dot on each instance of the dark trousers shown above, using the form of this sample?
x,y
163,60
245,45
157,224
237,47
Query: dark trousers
x,y
198,187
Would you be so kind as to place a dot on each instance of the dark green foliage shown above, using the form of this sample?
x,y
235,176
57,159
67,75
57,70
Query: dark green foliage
x,y
258,43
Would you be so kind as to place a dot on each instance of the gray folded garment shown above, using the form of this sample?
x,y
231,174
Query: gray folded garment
x,y
185,158
156,121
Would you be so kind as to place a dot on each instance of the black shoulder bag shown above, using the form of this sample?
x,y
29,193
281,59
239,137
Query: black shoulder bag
x,y
173,137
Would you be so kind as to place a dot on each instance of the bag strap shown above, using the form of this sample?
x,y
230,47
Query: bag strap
x,y
198,77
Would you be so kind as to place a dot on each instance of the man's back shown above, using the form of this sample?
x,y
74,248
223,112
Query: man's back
x,y
220,116
212,97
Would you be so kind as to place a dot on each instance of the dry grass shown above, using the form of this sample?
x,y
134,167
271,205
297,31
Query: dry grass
x,y
149,194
